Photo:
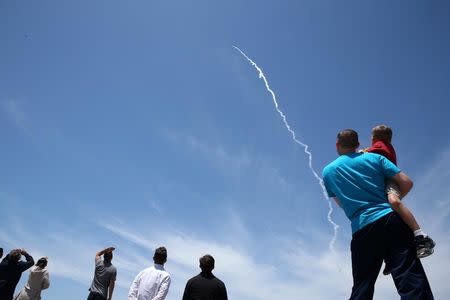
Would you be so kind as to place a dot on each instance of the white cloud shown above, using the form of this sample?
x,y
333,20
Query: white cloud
x,y
15,113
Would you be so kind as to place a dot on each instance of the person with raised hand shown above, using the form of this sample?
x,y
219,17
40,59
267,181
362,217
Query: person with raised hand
x,y
105,274
11,269
37,281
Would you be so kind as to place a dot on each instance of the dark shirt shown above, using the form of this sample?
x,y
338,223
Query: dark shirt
x,y
10,273
205,286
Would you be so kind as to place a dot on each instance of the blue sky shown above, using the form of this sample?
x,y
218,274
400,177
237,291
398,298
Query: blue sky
x,y
136,124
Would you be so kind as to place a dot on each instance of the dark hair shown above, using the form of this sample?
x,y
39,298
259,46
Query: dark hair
x,y
348,138
206,263
14,255
160,256
1,252
42,262
108,256
382,133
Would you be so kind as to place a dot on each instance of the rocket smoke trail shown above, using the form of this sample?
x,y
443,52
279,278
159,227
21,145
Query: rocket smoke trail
x,y
305,146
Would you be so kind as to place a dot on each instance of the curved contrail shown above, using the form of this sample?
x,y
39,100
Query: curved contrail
x,y
305,146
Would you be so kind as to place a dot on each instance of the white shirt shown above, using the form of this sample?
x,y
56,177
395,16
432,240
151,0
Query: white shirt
x,y
151,284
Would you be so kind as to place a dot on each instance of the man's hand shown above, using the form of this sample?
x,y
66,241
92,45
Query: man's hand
x,y
106,250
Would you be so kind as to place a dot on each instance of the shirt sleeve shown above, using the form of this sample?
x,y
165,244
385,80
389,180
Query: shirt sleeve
x,y
224,293
163,289
114,275
25,265
187,293
134,288
388,168
330,193
45,281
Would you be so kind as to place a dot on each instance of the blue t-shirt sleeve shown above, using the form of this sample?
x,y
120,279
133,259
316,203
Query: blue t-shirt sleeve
x,y
327,185
388,168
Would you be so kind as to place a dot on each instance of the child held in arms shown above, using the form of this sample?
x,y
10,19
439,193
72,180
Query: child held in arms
x,y
381,144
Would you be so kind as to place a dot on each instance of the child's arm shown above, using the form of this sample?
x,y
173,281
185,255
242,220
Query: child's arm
x,y
404,183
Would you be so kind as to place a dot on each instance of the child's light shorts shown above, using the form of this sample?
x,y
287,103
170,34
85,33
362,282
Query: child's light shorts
x,y
392,188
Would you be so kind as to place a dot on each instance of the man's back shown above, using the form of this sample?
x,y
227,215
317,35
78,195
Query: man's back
x,y
105,272
358,181
151,283
205,287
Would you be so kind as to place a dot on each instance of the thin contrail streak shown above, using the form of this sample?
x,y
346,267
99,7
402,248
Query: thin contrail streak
x,y
305,146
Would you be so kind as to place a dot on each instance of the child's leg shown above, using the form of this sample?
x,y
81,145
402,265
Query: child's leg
x,y
403,211
424,244
393,195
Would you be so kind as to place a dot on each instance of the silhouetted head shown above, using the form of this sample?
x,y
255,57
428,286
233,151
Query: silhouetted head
x,y
160,256
382,133
206,263
14,255
108,256
1,252
42,262
347,141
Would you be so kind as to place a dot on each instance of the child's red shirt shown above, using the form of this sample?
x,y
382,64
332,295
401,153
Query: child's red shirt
x,y
385,149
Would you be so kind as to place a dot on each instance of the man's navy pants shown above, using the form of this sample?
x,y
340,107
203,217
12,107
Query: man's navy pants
x,y
391,240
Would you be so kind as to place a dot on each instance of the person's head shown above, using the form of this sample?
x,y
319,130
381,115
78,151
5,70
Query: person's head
x,y
1,252
382,133
108,256
347,141
160,256
15,255
206,263
42,262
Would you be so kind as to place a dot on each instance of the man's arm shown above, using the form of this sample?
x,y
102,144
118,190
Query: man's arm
x,y
29,260
404,183
163,289
134,288
99,254
112,283
187,293
46,281
224,293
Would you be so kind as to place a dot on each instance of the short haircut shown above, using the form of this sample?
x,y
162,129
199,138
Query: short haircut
x,y
206,263
14,255
108,256
382,133
348,138
160,256
42,262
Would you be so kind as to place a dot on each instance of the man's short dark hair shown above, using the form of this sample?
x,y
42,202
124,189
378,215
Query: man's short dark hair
x,y
382,133
206,263
160,256
348,138
107,256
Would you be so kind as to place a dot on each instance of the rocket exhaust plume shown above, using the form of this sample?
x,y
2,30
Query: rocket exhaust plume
x,y
294,138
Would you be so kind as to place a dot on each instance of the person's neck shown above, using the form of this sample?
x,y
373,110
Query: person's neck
x,y
348,151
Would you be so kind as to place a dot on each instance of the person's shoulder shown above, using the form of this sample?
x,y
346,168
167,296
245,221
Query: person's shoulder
x,y
220,282
331,166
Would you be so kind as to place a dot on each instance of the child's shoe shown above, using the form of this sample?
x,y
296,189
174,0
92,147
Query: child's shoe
x,y
424,246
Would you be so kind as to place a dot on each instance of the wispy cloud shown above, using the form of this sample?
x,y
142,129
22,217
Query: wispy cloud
x,y
14,112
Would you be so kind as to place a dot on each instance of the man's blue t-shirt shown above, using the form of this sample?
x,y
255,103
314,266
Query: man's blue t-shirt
x,y
358,181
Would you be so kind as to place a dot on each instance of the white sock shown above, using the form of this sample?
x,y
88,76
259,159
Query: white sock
x,y
419,232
